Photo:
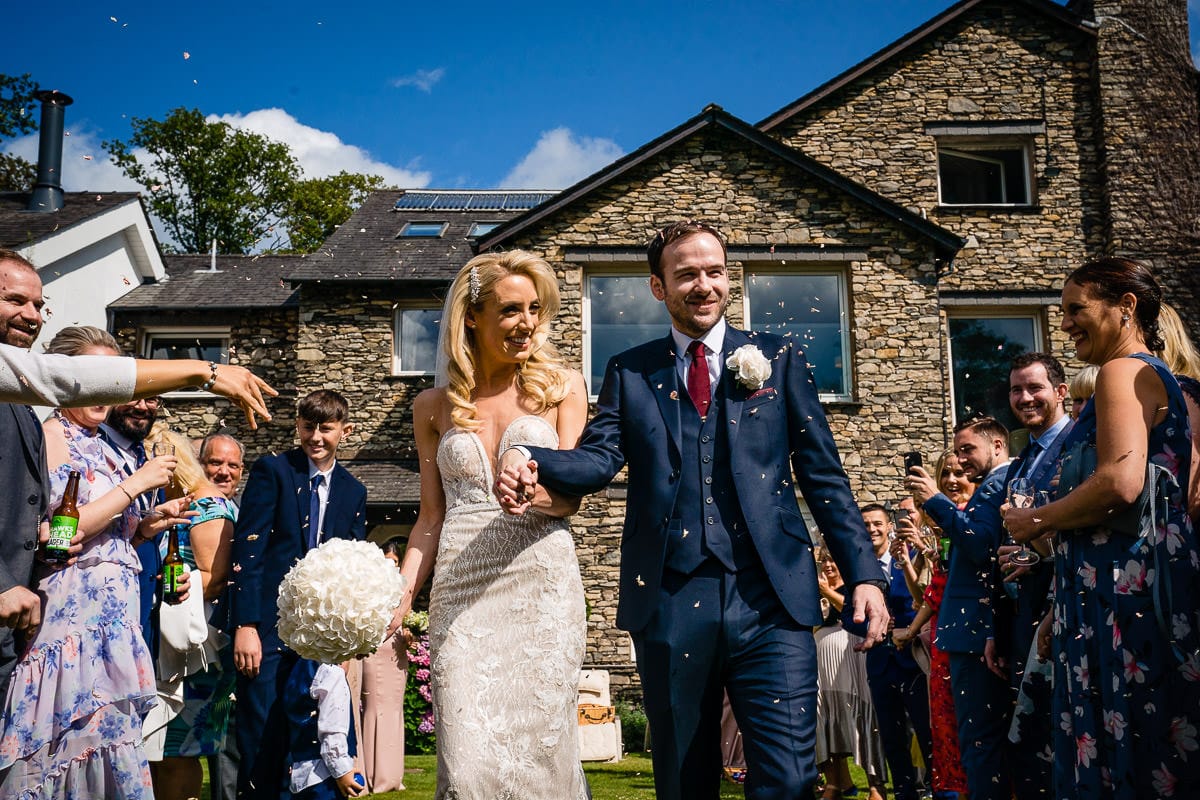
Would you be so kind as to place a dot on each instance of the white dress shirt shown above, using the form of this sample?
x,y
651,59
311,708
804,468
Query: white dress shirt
x,y
331,690
714,341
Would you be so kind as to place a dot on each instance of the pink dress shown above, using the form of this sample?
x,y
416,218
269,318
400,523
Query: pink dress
x,y
381,748
72,721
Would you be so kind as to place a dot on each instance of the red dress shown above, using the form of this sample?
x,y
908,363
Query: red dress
x,y
947,769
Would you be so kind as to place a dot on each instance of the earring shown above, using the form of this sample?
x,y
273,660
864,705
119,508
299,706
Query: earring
x,y
1124,320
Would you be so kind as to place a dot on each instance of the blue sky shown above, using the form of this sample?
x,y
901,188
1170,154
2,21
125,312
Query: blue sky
x,y
449,95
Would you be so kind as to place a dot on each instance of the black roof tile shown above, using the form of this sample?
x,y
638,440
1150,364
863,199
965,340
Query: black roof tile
x,y
19,227
242,282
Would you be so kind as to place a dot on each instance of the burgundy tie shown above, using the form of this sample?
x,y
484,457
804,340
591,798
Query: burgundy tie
x,y
699,385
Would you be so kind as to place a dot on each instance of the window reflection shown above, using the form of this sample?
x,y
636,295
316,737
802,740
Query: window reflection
x,y
981,352
810,308
416,339
623,313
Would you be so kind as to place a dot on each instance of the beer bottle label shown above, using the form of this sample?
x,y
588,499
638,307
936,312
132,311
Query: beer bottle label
x,y
945,543
172,578
62,531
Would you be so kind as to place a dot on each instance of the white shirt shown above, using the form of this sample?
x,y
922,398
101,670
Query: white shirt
x,y
58,380
322,491
714,340
331,690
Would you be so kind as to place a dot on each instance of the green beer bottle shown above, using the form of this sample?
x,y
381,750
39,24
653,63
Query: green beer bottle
x,y
64,522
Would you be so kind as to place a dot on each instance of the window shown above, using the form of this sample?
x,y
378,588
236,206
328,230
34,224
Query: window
x,y
983,172
205,344
981,349
810,306
618,313
430,230
482,229
416,337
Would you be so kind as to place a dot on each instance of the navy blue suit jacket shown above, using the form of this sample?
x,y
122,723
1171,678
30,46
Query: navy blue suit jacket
x,y
773,433
966,619
900,607
271,528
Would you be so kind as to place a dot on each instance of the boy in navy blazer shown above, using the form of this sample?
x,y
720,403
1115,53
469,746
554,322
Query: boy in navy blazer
x,y
293,502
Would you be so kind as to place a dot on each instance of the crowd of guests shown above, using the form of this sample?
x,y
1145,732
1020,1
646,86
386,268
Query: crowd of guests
x,y
1044,636
1077,675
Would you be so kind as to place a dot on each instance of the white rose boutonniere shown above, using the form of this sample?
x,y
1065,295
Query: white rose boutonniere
x,y
750,366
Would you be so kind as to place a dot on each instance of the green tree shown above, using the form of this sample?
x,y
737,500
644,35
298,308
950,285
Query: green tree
x,y
208,180
17,107
319,205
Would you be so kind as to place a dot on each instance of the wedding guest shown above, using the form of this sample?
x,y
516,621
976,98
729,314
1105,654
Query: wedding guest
x,y
224,459
1082,387
384,675
293,501
1126,646
1181,357
206,544
946,770
846,723
72,721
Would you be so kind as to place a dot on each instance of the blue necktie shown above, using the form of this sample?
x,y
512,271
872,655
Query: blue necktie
x,y
314,511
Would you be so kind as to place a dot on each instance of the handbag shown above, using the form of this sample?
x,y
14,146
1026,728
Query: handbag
x,y
1079,464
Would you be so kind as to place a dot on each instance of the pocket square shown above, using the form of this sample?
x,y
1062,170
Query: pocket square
x,y
766,391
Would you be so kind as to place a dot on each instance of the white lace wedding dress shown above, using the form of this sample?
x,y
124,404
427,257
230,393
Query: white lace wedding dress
x,y
507,634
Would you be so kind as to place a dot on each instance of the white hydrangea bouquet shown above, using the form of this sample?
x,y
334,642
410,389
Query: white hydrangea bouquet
x,y
337,601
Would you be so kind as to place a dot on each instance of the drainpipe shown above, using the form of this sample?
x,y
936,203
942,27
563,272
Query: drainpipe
x,y
48,192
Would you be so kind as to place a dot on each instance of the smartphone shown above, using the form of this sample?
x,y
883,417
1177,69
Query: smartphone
x,y
911,459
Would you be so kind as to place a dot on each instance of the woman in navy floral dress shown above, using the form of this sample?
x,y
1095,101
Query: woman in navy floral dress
x,y
1126,633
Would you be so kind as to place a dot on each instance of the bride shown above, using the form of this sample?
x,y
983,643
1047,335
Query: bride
x,y
506,608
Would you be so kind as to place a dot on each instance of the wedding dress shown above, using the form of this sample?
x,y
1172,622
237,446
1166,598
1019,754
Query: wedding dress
x,y
507,635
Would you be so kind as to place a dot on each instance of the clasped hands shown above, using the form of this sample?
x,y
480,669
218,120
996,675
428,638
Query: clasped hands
x,y
516,482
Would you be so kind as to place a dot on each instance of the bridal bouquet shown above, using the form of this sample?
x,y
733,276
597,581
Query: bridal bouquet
x,y
337,601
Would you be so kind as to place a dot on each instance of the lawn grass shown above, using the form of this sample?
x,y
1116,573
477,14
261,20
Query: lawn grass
x,y
631,778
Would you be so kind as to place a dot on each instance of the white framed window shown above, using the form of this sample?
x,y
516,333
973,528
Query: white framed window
x,y
985,171
203,343
618,312
415,337
812,306
983,343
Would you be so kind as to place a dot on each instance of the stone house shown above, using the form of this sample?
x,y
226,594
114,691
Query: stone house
x,y
911,220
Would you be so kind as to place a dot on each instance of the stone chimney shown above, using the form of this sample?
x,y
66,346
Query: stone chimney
x,y
48,192
1148,116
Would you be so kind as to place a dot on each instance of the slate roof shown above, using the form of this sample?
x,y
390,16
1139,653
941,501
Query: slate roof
x,y
242,282
1066,16
947,243
387,482
365,249
19,227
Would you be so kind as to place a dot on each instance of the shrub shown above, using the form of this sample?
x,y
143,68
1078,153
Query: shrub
x,y
633,726
419,735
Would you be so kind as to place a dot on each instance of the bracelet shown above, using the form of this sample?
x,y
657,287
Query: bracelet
x,y
125,491
212,379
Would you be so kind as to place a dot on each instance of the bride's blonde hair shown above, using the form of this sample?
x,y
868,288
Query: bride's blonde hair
x,y
542,377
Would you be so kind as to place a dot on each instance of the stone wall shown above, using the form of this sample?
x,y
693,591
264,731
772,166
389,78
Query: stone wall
x,y
1000,63
263,340
1150,120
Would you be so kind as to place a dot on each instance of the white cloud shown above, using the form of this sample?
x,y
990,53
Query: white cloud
x,y
423,79
86,165
559,159
321,153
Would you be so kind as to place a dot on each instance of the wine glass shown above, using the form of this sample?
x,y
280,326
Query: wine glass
x,y
164,449
1022,494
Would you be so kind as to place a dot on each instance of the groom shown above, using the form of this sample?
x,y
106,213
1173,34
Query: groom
x,y
718,583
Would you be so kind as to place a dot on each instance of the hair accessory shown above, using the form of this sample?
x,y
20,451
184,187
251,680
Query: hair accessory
x,y
212,379
473,285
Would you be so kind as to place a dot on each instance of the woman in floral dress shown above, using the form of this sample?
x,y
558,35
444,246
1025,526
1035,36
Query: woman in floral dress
x,y
1126,633
72,722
